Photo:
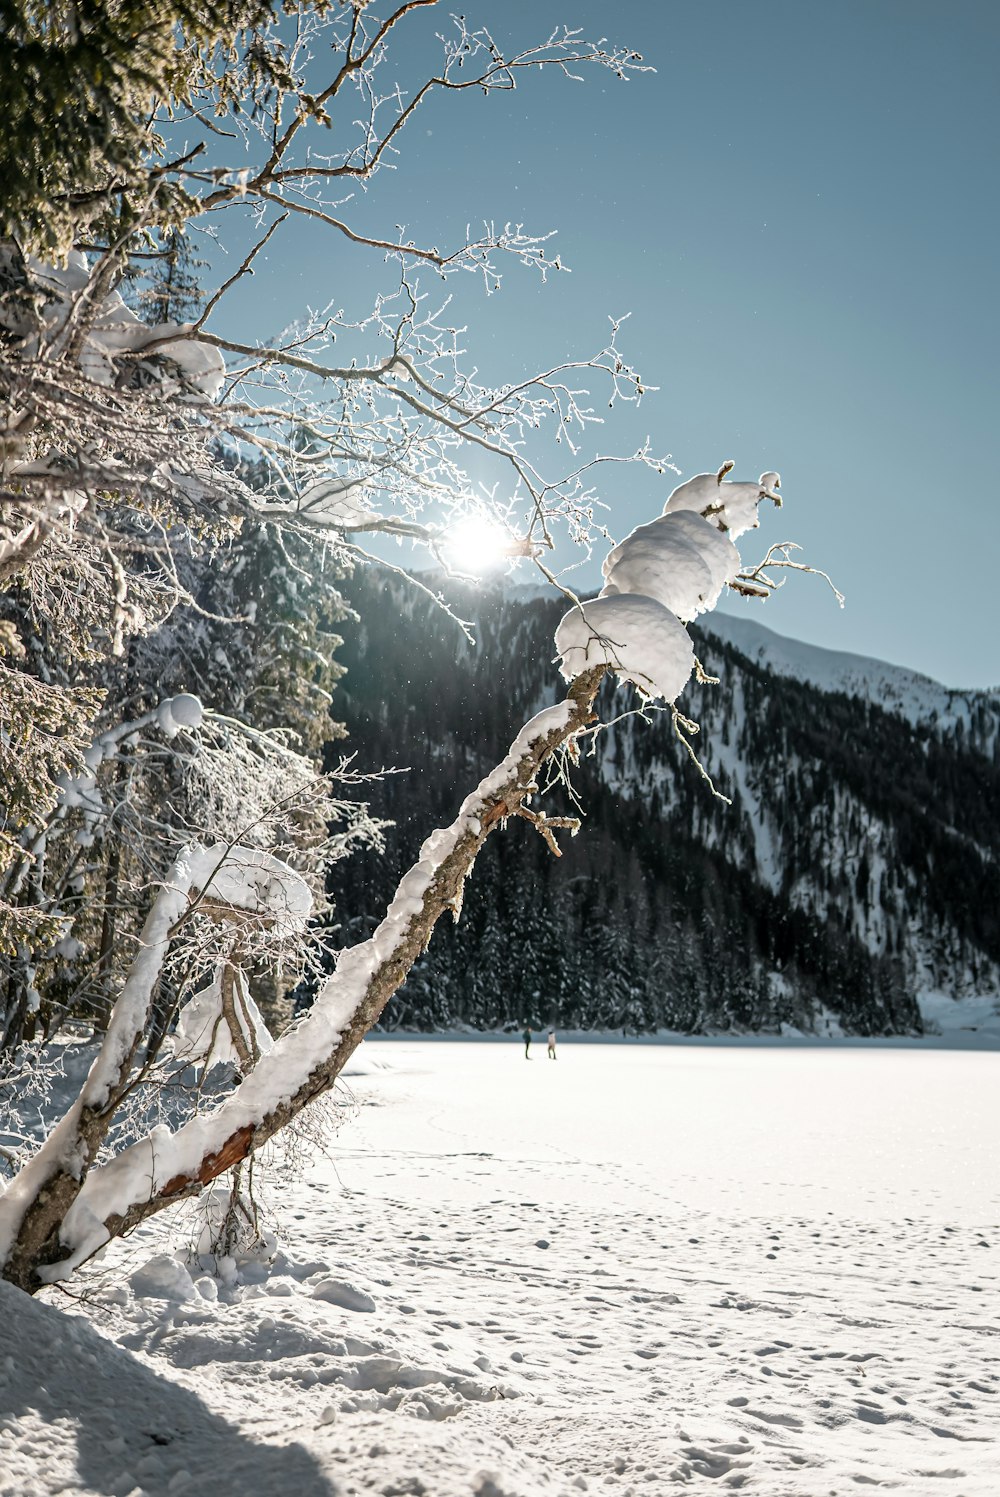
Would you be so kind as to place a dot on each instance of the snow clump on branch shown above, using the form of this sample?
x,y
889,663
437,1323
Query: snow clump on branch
x,y
247,878
664,573
333,501
115,337
636,636
729,506
679,559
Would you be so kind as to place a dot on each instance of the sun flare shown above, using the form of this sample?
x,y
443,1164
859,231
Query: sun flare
x,y
477,544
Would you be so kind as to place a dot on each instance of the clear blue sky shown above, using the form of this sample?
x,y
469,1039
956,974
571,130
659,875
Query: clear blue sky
x,y
799,209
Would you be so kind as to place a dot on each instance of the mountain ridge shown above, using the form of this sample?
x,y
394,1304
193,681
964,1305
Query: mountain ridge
x,y
914,694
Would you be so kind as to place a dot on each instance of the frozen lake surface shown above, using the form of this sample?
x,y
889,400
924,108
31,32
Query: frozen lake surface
x,y
637,1269
859,1130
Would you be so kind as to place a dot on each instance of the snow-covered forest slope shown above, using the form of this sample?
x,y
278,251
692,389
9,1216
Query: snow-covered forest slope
x,y
856,867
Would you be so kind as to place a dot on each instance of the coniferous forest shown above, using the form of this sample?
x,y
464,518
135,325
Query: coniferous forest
x,y
855,866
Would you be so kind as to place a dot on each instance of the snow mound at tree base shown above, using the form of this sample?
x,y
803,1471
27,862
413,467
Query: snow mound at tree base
x,y
80,1414
83,1416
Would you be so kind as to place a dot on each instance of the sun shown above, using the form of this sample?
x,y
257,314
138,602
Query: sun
x,y
476,544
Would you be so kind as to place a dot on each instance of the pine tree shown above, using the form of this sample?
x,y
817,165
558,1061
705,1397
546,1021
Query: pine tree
x,y
78,147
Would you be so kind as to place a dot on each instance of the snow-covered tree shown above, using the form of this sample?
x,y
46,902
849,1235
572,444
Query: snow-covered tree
x,y
133,449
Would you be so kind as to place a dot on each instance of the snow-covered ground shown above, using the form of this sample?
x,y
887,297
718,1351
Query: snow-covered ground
x,y
638,1269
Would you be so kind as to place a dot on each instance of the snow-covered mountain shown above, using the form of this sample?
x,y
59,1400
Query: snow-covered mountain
x,y
857,865
916,697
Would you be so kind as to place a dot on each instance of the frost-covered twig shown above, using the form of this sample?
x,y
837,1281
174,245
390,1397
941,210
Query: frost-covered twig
x,y
755,583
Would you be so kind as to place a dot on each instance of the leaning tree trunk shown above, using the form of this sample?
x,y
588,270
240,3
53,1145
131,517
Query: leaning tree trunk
x,y
38,1199
66,1219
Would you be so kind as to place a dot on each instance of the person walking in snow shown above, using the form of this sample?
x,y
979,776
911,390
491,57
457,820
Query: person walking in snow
x,y
527,1042
552,1044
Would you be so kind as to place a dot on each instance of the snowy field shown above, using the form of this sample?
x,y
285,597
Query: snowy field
x,y
639,1269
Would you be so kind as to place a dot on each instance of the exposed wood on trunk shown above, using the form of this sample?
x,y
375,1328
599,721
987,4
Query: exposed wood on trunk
x,y
232,1152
